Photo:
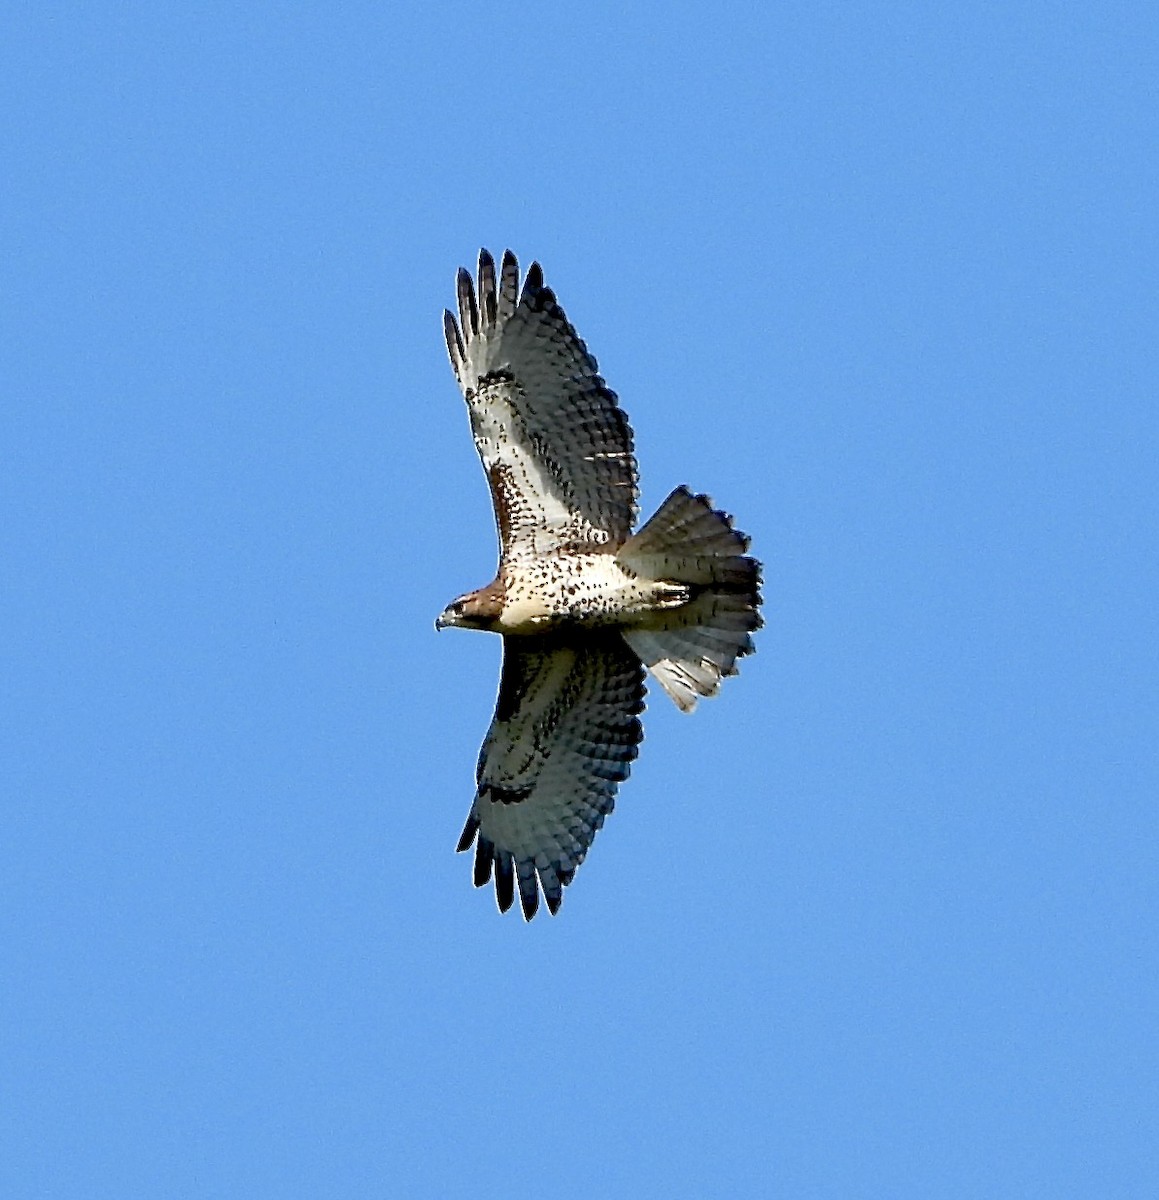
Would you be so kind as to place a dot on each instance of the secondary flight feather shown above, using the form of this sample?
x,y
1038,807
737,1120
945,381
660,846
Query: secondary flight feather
x,y
585,607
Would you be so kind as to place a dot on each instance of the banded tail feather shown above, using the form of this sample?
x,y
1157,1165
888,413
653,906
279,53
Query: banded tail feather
x,y
690,648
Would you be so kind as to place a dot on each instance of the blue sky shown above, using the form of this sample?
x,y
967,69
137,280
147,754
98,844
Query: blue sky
x,y
881,920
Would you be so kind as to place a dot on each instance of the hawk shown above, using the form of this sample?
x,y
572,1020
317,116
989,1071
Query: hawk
x,y
583,604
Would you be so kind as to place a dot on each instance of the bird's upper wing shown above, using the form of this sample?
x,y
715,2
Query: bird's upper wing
x,y
555,445
565,731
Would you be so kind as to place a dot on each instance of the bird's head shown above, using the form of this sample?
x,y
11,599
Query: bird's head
x,y
475,610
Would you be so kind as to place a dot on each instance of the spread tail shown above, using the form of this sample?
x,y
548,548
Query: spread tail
x,y
689,648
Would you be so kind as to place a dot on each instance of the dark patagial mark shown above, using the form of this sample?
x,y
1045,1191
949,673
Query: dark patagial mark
x,y
502,488
518,672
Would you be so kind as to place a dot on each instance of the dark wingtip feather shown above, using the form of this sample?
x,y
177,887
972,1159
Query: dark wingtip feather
x,y
454,340
484,857
504,880
468,834
509,284
552,889
534,281
488,298
468,309
528,896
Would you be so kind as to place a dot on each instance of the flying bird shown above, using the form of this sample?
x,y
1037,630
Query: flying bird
x,y
583,604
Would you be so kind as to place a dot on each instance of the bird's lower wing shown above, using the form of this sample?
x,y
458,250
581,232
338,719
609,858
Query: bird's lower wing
x,y
565,731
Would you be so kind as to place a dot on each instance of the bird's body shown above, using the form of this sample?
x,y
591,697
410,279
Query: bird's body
x,y
583,604
580,589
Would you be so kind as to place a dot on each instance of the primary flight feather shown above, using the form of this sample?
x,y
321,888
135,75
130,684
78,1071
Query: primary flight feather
x,y
584,606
